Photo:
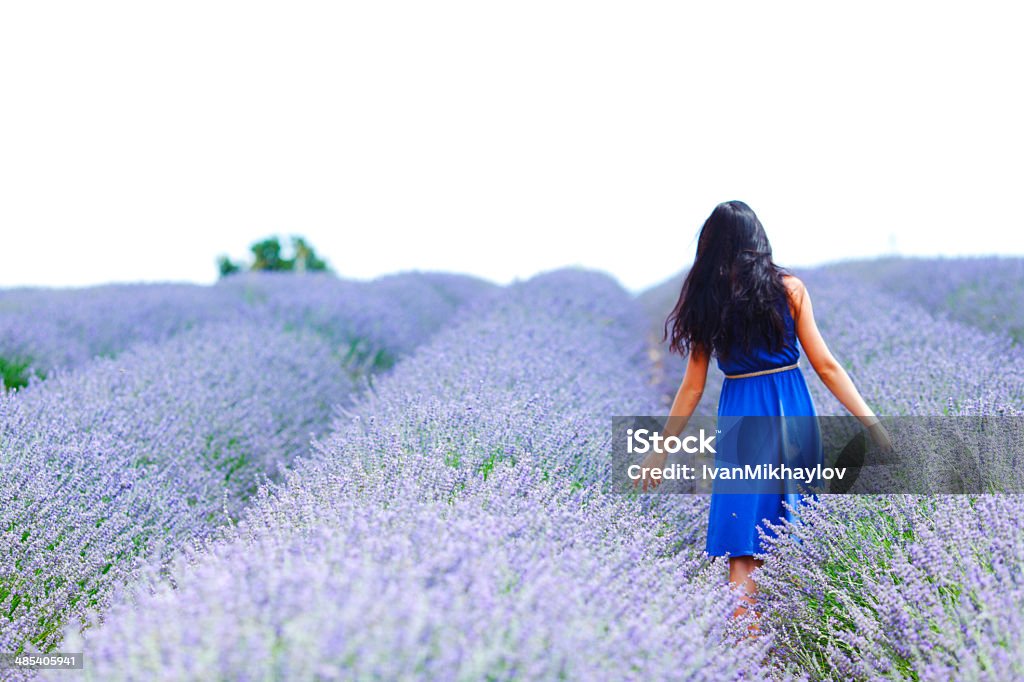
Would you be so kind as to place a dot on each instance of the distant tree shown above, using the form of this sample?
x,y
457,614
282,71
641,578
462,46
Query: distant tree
x,y
226,267
306,259
267,256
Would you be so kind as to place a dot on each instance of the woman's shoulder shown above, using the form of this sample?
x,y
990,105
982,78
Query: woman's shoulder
x,y
792,282
794,286
795,290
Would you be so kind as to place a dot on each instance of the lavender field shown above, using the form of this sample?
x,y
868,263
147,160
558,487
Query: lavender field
x,y
296,477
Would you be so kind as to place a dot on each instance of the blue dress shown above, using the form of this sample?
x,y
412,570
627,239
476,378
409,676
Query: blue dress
x,y
734,517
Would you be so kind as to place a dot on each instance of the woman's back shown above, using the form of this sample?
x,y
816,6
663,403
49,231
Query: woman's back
x,y
761,356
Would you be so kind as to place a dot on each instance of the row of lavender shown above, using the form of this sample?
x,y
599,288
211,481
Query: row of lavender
x,y
132,456
122,460
892,587
906,360
45,329
984,292
454,526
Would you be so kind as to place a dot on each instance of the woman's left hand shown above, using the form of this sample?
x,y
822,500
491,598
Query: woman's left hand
x,y
655,460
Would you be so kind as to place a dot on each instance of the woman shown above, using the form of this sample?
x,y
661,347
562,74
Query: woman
x,y
739,306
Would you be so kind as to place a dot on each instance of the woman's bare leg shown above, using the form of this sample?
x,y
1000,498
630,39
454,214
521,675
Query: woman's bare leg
x,y
740,568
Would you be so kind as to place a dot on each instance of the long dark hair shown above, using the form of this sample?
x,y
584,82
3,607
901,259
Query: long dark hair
x,y
731,296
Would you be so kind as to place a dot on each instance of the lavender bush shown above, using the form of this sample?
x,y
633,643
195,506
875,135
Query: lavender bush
x,y
898,587
430,572
131,456
377,321
43,329
454,526
906,361
984,292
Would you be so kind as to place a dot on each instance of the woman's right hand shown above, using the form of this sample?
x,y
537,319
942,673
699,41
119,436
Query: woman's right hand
x,y
655,460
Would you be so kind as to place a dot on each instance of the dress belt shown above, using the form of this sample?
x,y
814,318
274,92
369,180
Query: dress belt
x,y
762,372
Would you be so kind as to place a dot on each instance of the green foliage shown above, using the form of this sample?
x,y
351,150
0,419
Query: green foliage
x,y
267,256
16,372
226,267
305,258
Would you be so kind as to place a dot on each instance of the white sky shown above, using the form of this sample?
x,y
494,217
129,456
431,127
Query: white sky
x,y
140,140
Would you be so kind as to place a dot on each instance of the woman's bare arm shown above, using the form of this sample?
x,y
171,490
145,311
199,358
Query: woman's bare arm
x,y
824,363
689,394
687,397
